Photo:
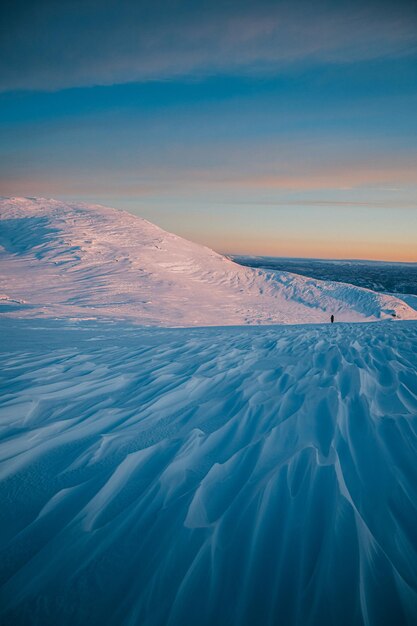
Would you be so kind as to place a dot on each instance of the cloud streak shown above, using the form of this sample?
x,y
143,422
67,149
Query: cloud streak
x,y
48,45
220,185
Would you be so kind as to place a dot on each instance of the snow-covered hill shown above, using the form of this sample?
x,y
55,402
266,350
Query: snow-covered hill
x,y
196,476
78,260
200,477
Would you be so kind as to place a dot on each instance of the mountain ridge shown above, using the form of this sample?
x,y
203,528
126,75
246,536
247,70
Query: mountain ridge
x,y
74,259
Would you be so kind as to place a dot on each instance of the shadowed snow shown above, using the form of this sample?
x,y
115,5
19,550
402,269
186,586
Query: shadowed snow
x,y
208,476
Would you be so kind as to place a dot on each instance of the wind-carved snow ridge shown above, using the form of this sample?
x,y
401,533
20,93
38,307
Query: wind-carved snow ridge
x,y
81,260
208,476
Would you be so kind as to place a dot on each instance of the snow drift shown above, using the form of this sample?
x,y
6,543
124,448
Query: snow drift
x,y
179,477
78,260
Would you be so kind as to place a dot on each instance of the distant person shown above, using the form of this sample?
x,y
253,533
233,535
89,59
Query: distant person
x,y
332,318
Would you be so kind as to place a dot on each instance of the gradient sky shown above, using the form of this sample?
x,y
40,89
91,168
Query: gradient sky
x,y
269,128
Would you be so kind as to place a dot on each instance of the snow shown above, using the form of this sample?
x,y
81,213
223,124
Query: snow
x,y
409,299
208,476
237,473
79,260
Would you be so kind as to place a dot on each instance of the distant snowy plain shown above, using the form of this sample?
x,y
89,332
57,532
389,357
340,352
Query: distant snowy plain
x,y
382,276
226,475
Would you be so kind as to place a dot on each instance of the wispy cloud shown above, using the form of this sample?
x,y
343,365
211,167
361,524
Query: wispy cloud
x,y
49,45
221,185
342,178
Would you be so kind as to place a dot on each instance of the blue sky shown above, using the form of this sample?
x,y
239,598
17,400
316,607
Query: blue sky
x,y
253,128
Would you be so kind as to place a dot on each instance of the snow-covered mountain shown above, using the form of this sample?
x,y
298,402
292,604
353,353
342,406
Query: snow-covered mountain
x,y
185,476
81,260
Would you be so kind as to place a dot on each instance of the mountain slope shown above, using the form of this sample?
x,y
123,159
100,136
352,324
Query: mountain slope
x,y
80,260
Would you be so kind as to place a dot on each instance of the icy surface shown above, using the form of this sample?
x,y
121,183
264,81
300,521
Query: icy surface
x,y
77,260
208,476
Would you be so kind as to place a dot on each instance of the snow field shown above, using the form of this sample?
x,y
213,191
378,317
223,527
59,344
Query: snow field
x,y
208,476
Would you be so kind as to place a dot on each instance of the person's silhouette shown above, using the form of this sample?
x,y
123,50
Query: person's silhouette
x,y
332,318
